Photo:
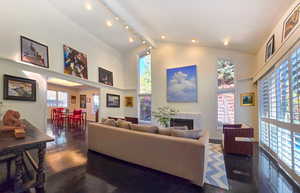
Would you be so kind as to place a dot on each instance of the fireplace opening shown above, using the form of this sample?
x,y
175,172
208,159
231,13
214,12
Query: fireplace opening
x,y
182,122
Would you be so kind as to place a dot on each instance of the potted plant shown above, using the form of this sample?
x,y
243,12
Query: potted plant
x,y
164,114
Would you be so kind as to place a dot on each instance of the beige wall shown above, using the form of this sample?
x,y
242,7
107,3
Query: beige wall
x,y
281,46
91,116
176,55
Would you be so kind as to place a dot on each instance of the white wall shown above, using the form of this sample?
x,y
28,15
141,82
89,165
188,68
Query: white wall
x,y
176,55
281,46
40,21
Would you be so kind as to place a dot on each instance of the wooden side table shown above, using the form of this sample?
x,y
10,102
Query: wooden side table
x,y
35,139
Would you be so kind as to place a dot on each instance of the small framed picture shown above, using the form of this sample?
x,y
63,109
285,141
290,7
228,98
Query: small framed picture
x,y
34,52
247,99
128,101
73,100
83,101
17,88
113,100
270,48
291,22
105,76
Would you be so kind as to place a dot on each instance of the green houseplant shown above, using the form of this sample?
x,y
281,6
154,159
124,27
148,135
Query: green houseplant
x,y
164,114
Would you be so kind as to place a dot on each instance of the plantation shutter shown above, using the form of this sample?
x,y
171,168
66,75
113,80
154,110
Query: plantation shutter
x,y
295,85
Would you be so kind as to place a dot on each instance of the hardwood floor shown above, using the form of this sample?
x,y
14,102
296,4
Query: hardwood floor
x,y
71,168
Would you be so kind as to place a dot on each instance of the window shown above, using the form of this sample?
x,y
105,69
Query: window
x,y
51,98
225,70
96,104
279,92
226,98
144,90
57,99
226,108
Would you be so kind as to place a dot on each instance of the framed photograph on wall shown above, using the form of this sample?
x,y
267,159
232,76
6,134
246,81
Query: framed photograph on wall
x,y
34,52
182,84
17,88
270,48
83,101
247,99
128,101
291,22
105,76
113,100
75,63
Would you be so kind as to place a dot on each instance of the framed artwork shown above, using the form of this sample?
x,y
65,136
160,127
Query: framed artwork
x,y
34,52
83,101
291,22
75,63
112,100
247,99
270,48
105,76
182,84
128,101
16,88
73,100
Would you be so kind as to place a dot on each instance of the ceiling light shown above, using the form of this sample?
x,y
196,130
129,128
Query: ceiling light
x,y
194,41
88,6
163,37
109,23
148,53
226,42
63,82
144,42
131,40
127,27
117,18
150,47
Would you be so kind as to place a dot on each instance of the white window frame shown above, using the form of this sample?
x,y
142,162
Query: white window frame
x,y
138,88
56,98
226,90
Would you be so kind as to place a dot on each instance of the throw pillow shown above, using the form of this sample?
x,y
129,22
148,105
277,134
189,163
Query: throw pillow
x,y
123,124
191,134
110,122
144,128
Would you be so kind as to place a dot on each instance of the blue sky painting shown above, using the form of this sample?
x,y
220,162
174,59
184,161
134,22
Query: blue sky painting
x,y
182,84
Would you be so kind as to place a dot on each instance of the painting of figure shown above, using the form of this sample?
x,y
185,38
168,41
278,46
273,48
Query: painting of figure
x,y
182,84
75,63
105,76
291,23
34,52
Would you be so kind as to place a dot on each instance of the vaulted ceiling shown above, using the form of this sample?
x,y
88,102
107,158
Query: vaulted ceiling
x,y
244,23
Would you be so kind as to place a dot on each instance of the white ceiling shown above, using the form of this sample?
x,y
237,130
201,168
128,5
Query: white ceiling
x,y
246,23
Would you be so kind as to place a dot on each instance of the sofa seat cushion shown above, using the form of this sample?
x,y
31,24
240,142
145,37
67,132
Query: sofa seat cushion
x,y
144,128
123,124
191,134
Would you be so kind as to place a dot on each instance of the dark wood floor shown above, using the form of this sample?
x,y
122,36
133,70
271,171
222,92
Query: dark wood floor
x,y
71,168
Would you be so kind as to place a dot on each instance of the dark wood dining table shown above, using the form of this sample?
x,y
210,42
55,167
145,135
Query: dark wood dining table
x,y
34,139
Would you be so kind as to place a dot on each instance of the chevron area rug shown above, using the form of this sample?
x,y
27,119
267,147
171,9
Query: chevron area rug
x,y
216,172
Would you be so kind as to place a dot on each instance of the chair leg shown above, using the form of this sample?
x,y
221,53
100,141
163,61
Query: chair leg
x,y
8,170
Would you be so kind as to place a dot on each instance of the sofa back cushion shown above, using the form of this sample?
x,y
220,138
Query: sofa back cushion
x,y
123,124
144,128
110,122
191,134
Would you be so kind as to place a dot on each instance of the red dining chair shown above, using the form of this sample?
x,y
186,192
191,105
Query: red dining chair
x,y
58,118
76,119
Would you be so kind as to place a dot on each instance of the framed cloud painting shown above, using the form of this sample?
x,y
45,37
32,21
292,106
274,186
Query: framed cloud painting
x,y
182,84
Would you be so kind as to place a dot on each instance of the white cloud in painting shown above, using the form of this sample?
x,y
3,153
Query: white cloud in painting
x,y
182,88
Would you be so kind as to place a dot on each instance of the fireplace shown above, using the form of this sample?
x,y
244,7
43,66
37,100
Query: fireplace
x,y
182,122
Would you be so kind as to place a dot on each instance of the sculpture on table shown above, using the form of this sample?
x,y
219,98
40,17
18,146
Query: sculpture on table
x,y
11,122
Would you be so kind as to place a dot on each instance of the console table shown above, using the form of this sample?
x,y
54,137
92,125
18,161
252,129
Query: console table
x,y
35,139
238,139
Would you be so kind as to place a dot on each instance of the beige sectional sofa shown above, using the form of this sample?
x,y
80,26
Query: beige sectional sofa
x,y
181,157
